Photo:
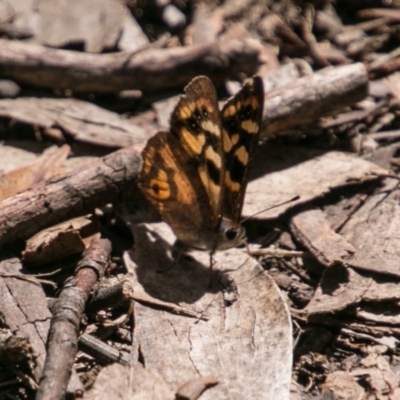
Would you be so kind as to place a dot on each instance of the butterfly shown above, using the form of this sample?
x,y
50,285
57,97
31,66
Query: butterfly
x,y
196,174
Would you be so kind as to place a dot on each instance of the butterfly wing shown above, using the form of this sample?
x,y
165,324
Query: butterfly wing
x,y
183,168
168,180
241,125
196,122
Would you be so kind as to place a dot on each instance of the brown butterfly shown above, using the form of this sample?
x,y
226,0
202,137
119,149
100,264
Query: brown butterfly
x,y
196,174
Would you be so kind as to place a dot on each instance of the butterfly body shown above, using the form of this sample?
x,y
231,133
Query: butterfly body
x,y
196,174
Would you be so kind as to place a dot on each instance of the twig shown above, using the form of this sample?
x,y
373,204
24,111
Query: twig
x,y
148,70
68,196
67,312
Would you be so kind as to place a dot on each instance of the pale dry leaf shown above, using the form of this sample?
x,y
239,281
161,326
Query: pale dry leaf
x,y
120,382
80,120
96,25
245,344
373,231
307,178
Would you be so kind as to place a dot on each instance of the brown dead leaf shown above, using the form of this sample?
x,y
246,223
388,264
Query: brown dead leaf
x,y
48,165
343,386
312,230
192,389
58,242
380,377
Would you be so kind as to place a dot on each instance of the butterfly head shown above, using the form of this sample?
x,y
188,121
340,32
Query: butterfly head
x,y
229,235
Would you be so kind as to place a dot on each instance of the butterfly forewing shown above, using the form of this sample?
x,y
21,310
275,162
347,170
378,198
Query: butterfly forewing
x,y
170,182
196,121
241,124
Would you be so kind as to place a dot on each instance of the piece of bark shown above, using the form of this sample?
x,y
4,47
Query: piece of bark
x,y
342,384
24,310
15,351
205,26
192,389
306,26
312,230
379,315
78,120
245,344
148,70
344,287
58,242
328,22
71,195
391,14
284,75
339,288
388,341
285,172
372,230
96,25
9,88
352,116
339,212
338,321
67,312
102,352
109,297
311,97
379,375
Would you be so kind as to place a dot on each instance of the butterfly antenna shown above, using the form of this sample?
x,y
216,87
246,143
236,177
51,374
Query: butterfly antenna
x,y
270,208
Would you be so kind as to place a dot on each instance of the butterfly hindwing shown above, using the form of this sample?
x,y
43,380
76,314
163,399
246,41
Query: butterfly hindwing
x,y
241,124
196,121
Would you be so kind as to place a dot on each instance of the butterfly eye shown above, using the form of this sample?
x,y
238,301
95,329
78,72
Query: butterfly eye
x,y
231,233
205,113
